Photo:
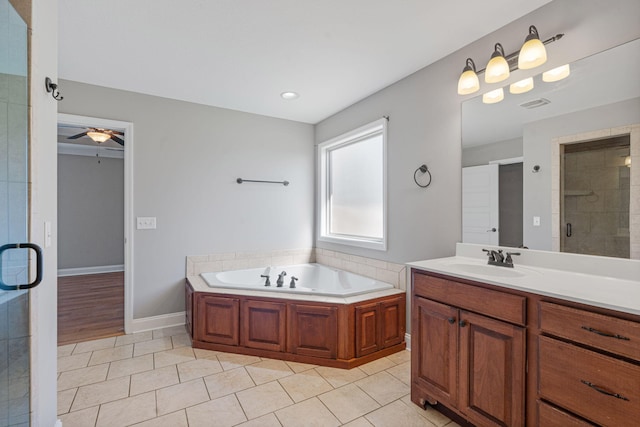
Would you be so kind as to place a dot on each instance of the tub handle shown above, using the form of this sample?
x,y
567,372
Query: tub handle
x,y
266,282
293,282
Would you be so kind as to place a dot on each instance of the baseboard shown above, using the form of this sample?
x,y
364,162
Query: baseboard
x,y
157,322
407,339
62,272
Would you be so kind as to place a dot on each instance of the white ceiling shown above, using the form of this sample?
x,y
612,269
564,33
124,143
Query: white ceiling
x,y
241,54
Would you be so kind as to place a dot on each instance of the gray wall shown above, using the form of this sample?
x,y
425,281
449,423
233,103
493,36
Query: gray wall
x,y
537,151
483,154
90,211
186,158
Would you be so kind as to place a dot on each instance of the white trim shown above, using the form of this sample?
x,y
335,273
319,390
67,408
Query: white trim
x,y
407,339
157,322
90,150
509,161
127,127
63,272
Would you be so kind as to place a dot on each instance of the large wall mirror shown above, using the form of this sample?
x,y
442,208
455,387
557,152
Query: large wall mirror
x,y
558,167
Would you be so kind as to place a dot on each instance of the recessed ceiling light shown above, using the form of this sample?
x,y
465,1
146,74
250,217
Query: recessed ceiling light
x,y
289,96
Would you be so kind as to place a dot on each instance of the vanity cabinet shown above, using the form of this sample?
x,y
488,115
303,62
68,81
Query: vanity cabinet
x,y
313,330
263,325
464,355
217,320
379,325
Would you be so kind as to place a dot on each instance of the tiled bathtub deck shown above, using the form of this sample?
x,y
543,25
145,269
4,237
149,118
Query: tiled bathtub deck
x,y
157,379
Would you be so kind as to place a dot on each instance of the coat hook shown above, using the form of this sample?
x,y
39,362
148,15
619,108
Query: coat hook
x,y
53,89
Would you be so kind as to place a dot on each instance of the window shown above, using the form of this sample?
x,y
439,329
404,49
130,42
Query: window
x,y
352,187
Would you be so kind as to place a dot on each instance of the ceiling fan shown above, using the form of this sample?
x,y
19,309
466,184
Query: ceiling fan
x,y
100,135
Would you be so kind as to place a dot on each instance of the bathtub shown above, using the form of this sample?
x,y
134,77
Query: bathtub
x,y
313,279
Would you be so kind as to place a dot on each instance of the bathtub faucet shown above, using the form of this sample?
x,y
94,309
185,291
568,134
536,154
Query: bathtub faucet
x,y
293,282
266,282
280,280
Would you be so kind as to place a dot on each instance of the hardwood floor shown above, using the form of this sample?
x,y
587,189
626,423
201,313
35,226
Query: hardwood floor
x,y
90,307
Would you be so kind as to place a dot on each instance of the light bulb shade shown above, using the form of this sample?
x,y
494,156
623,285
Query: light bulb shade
x,y
556,74
493,97
627,161
497,68
533,53
522,86
468,82
98,137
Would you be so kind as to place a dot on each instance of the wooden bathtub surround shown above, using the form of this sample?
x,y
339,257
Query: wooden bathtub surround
x,y
326,334
499,357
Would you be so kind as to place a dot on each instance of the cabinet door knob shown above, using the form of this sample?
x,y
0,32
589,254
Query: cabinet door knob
x,y
462,323
451,320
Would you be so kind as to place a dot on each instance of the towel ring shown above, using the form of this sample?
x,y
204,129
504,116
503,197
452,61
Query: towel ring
x,y
424,169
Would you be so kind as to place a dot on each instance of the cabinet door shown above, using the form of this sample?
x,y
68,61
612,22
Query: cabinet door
x,y
492,371
217,319
392,315
313,330
188,304
434,355
263,325
367,329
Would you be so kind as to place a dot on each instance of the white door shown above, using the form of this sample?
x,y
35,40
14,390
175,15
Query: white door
x,y
480,212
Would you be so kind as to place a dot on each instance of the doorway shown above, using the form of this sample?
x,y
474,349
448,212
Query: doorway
x,y
94,211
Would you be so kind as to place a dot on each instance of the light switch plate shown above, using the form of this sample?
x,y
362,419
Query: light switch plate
x,y
146,222
536,221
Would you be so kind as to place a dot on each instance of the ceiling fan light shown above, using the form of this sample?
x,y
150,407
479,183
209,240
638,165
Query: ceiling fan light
x,y
533,53
493,97
497,68
556,74
468,82
522,86
98,137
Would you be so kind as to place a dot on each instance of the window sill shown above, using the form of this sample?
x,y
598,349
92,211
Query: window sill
x,y
377,245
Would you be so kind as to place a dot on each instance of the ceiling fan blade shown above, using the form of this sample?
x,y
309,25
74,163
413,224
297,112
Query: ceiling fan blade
x,y
118,140
80,135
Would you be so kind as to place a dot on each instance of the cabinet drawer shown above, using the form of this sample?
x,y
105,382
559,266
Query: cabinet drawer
x,y
597,330
597,387
548,416
496,304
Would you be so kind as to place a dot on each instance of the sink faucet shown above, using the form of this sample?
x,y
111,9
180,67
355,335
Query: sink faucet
x,y
293,282
280,280
497,258
267,282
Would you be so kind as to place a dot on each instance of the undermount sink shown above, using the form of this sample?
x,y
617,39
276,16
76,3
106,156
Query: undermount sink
x,y
487,270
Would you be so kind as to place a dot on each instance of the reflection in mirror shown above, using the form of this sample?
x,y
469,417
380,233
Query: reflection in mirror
x,y
600,98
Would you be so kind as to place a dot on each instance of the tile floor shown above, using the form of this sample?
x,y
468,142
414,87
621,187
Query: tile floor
x,y
156,379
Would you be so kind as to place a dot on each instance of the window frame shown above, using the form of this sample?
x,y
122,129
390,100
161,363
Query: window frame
x,y
377,127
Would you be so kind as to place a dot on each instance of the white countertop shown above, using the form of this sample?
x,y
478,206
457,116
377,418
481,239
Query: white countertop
x,y
600,290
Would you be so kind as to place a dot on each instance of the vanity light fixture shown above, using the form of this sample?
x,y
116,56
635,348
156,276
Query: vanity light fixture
x,y
497,68
98,137
522,86
532,53
556,74
468,82
627,161
493,97
289,96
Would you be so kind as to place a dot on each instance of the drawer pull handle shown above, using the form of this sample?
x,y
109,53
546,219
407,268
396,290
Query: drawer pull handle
x,y
451,320
462,323
604,334
603,391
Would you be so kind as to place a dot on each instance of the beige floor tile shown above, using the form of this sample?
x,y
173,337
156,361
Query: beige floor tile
x,y
298,367
228,382
197,369
111,354
175,419
134,338
153,380
397,414
383,387
66,350
262,399
339,377
310,413
96,394
431,415
232,361
402,372
84,418
122,368
83,347
305,385
348,403
359,422
226,410
147,347
400,357
205,354
268,420
182,340
83,376
268,370
180,396
76,361
170,331
172,357
377,366
127,411
65,399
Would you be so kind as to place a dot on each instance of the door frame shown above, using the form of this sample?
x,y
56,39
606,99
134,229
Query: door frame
x,y
86,121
